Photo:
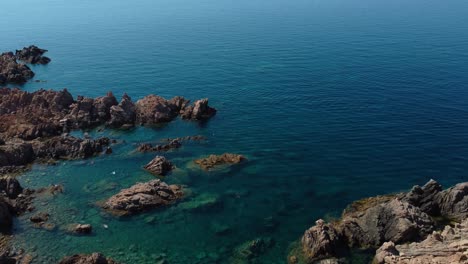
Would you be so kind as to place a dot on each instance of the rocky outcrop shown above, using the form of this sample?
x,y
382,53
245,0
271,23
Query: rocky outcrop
x,y
394,220
69,148
12,71
447,246
399,219
199,111
94,258
143,196
154,109
34,125
217,160
123,114
32,55
322,241
159,166
433,200
16,154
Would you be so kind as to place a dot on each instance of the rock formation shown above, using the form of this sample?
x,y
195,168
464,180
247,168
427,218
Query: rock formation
x,y
32,125
199,111
33,55
397,219
143,196
447,246
159,166
147,147
217,160
12,71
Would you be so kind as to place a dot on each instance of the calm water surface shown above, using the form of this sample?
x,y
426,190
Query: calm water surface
x,y
331,101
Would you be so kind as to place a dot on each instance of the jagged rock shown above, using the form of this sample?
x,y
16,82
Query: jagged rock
x,y
10,186
395,221
322,241
102,106
447,246
450,203
123,114
159,166
143,196
154,109
33,55
199,111
216,160
94,258
68,147
13,72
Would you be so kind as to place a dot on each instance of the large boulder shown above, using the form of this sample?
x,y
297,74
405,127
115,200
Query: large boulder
x,y
159,166
154,109
123,114
199,111
94,258
143,196
102,106
322,241
33,55
395,221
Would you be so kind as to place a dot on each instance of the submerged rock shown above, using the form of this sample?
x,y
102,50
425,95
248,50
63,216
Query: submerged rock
x,y
217,160
248,251
94,258
143,196
147,147
202,203
33,55
159,166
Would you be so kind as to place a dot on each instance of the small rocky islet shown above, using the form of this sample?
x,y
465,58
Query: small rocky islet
x,y
425,224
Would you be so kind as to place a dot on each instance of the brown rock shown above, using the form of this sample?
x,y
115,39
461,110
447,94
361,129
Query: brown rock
x,y
322,241
13,72
143,196
159,166
33,55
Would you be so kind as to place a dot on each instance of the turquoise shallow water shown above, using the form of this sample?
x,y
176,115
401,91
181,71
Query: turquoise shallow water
x,y
331,101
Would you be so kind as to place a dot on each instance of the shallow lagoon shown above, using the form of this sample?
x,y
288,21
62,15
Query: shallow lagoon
x,y
331,101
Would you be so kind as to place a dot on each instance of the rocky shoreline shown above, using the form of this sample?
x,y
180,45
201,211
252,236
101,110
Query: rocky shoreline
x,y
386,221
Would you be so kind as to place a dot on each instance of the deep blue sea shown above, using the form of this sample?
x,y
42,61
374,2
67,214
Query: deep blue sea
x,y
330,100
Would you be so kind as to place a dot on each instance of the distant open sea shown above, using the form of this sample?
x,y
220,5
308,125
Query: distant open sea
x,y
330,100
